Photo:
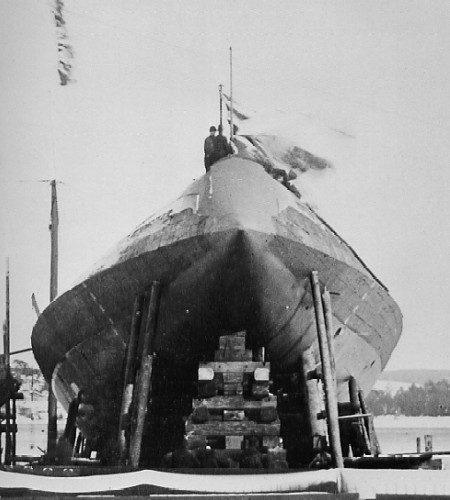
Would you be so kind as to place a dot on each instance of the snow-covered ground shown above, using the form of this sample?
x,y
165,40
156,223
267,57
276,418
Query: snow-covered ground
x,y
391,386
401,422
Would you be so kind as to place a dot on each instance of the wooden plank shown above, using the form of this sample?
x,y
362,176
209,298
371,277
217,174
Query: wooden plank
x,y
233,415
207,388
233,403
247,428
231,342
271,442
260,390
267,415
356,416
233,355
262,375
233,377
232,389
234,366
233,442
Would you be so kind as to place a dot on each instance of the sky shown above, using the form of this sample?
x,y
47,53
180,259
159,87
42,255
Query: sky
x,y
126,136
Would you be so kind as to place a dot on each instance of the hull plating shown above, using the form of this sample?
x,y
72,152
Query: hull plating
x,y
234,252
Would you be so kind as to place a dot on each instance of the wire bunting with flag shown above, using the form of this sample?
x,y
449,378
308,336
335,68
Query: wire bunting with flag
x,y
65,51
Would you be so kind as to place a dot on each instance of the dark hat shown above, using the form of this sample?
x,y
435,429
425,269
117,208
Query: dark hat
x,y
220,127
212,129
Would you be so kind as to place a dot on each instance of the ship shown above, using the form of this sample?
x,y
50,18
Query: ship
x,y
233,253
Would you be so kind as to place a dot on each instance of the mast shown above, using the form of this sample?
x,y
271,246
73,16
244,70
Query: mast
x,y
231,95
52,430
54,244
220,103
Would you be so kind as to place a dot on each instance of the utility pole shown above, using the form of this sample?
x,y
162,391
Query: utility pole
x,y
52,429
6,327
7,355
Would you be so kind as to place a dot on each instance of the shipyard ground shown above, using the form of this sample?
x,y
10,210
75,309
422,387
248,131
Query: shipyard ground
x,y
386,484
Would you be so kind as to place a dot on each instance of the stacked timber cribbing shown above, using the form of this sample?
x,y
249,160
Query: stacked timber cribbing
x,y
235,411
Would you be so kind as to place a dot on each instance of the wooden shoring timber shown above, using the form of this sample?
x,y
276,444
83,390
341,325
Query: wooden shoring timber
x,y
312,393
152,316
234,428
143,390
362,444
356,416
144,376
79,445
328,376
353,393
66,447
71,426
234,366
8,432
373,438
218,403
14,430
328,312
129,374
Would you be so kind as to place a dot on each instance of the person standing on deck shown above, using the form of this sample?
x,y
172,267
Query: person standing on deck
x,y
222,147
209,148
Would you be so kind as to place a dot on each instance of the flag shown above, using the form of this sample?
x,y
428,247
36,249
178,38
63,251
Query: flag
x,y
65,52
255,138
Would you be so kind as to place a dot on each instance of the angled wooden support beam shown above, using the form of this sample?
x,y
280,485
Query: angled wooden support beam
x,y
328,374
313,399
143,390
144,377
129,375
362,446
374,443
328,313
353,393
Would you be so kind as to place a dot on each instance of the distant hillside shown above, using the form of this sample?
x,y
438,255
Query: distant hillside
x,y
415,376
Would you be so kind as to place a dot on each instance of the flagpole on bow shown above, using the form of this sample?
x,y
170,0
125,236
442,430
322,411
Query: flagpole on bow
x,y
221,103
231,94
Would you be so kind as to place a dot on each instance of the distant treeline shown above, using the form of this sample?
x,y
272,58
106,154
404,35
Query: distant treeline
x,y
20,369
431,399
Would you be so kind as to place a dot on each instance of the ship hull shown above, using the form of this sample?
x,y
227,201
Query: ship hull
x,y
234,252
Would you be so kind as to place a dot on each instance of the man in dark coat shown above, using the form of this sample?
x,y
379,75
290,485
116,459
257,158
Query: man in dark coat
x,y
209,148
222,147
